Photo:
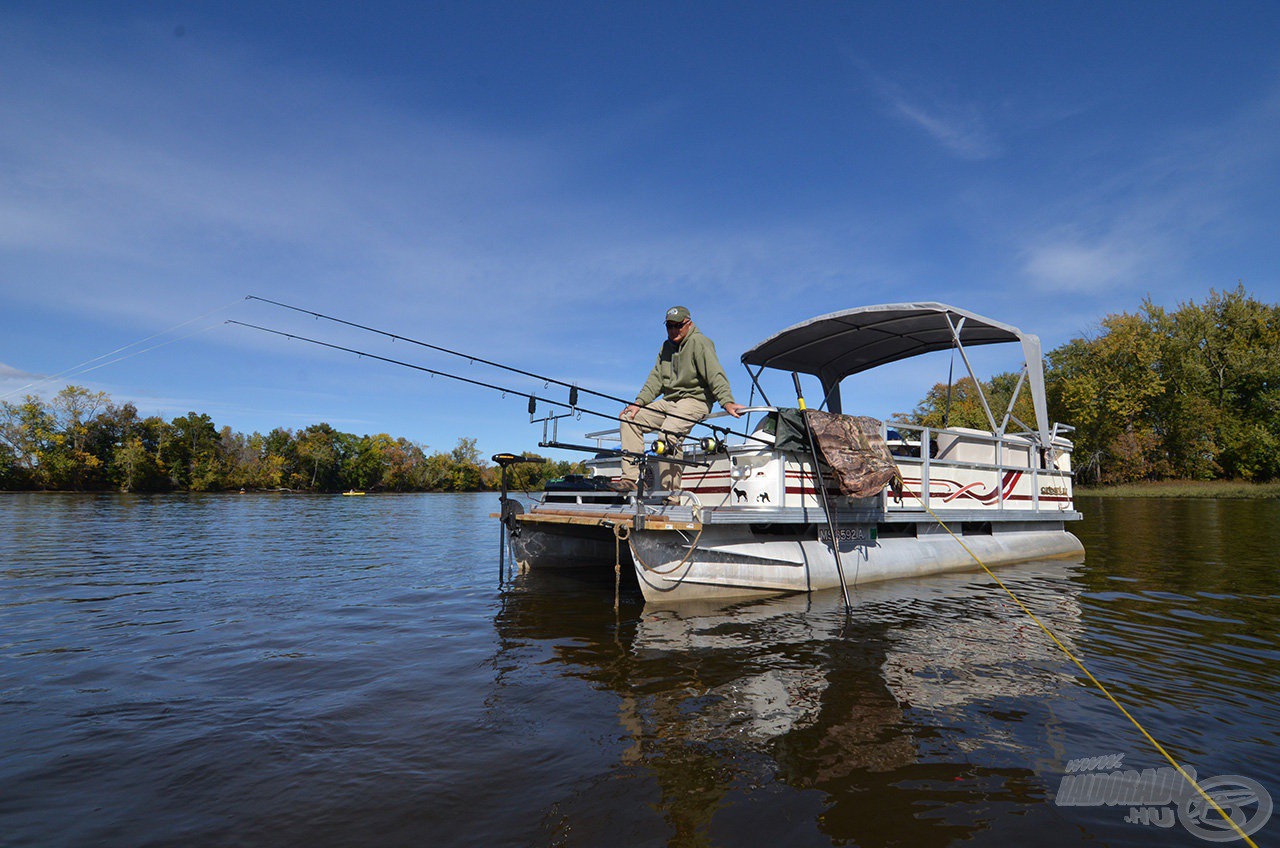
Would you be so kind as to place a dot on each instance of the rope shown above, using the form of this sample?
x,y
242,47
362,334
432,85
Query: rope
x,y
693,546
621,532
1087,673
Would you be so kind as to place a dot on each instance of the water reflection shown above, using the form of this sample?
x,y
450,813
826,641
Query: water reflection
x,y
865,724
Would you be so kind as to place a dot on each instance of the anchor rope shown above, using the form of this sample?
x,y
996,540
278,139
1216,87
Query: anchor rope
x,y
620,533
1079,664
693,546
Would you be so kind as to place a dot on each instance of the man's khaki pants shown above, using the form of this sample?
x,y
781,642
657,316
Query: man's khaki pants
x,y
673,419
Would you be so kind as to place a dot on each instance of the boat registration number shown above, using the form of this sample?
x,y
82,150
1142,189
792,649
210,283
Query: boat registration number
x,y
847,534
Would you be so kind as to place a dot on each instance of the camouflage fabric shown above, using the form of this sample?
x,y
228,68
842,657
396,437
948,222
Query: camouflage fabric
x,y
854,449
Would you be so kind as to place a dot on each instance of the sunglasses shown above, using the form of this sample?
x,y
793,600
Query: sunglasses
x,y
675,325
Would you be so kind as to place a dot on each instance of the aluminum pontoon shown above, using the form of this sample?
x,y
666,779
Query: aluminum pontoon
x,y
753,517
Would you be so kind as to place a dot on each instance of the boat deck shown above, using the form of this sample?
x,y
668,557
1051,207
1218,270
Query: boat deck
x,y
656,515
669,518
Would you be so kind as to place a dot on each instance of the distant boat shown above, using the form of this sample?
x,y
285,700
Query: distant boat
x,y
352,492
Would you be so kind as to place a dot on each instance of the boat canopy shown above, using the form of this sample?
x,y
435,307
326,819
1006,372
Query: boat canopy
x,y
832,347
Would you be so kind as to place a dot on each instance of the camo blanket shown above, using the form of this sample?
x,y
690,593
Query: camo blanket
x,y
855,451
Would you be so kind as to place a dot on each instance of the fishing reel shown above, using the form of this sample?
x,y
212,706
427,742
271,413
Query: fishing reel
x,y
707,444
711,444
662,447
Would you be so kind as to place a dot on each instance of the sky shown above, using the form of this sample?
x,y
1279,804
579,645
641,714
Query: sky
x,y
536,183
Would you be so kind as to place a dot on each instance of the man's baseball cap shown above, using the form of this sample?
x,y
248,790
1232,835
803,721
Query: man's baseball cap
x,y
677,315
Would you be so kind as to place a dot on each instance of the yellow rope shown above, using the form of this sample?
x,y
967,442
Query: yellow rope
x,y
1088,674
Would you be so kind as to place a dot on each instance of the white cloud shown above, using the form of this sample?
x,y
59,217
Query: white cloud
x,y
958,127
15,383
1143,229
8,372
1082,266
952,122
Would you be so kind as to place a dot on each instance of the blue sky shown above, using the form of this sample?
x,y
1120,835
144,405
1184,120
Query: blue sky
x,y
537,183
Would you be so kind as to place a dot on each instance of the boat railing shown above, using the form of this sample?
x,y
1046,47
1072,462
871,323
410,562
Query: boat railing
x,y
931,449
962,448
606,439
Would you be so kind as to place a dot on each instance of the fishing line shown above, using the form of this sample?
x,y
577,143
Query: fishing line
x,y
433,372
473,359
148,349
81,369
1079,664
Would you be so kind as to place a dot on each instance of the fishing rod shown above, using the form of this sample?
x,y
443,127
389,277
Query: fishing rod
x,y
572,405
544,379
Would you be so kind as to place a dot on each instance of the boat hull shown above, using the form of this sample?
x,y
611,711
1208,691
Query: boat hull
x,y
729,562
567,546
744,560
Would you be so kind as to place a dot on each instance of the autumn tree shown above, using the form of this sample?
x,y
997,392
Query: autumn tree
x,y
1106,386
28,431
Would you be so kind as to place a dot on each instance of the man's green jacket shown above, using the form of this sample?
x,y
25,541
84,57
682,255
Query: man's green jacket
x,y
690,369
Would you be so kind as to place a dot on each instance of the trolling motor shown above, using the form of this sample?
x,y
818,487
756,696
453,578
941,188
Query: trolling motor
x,y
510,508
505,461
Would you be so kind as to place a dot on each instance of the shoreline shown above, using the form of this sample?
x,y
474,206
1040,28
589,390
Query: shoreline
x,y
1204,489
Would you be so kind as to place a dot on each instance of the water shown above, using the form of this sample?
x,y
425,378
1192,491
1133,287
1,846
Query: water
x,y
316,671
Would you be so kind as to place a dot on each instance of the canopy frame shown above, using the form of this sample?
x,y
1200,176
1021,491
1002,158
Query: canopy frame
x,y
840,344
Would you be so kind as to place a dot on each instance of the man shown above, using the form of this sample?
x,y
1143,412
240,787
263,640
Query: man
x,y
684,383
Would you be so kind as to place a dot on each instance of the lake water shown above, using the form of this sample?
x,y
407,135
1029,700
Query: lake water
x,y
314,671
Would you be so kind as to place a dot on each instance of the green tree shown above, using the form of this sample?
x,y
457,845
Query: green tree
x,y
956,405
533,476
959,405
1222,412
81,440
279,459
467,473
191,453
125,445
11,476
135,468
71,464
319,449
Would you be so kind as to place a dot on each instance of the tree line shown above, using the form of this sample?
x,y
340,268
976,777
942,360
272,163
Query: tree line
x,y
1191,393
81,441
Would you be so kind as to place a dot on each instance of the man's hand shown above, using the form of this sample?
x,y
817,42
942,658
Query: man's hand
x,y
734,409
630,411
